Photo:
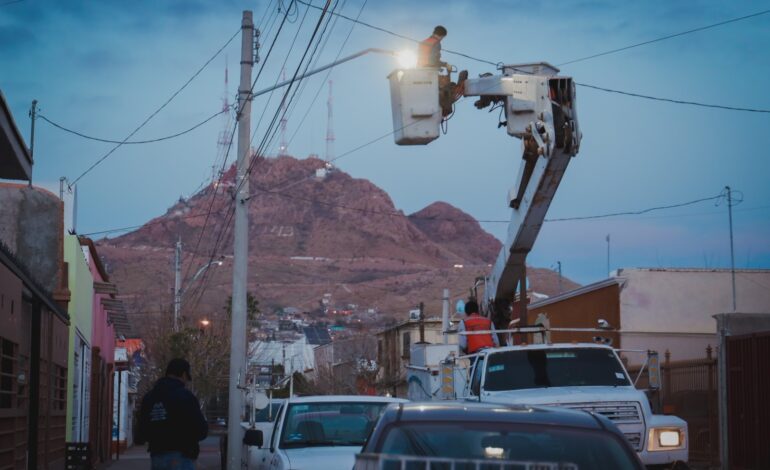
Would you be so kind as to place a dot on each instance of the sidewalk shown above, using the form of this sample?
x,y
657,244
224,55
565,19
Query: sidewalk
x,y
137,457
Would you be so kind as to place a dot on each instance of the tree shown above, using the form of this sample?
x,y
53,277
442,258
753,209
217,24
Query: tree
x,y
252,308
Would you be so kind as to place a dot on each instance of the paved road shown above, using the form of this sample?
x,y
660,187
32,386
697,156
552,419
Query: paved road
x,y
137,458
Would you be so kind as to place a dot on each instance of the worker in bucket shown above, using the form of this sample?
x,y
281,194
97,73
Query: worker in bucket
x,y
473,343
430,57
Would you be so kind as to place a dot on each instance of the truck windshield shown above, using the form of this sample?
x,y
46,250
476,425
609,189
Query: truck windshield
x,y
329,424
567,367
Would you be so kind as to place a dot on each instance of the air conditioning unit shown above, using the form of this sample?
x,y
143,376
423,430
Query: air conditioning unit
x,y
414,314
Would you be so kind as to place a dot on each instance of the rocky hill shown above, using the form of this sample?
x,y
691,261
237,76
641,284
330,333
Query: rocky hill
x,y
309,236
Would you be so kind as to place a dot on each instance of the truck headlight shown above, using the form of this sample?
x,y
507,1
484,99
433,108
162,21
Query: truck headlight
x,y
666,439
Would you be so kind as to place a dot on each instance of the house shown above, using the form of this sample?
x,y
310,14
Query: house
x,y
660,309
346,366
394,346
33,313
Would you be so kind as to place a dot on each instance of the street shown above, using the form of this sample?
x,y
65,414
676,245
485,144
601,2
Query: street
x,y
137,457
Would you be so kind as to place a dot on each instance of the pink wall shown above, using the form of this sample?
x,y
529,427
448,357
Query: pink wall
x,y
103,335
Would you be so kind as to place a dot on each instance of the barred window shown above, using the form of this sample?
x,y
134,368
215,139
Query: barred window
x,y
8,352
60,388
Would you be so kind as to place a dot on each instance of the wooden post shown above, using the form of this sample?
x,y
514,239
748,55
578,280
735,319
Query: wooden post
x,y
666,385
712,418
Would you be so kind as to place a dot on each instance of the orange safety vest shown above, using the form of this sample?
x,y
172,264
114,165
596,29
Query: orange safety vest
x,y
476,322
429,53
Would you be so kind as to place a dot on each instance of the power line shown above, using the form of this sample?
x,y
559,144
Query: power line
x,y
675,101
401,36
132,142
663,38
154,113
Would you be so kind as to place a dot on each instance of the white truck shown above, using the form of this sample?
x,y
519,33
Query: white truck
x,y
583,376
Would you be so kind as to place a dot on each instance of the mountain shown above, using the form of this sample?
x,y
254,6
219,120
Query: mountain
x,y
308,237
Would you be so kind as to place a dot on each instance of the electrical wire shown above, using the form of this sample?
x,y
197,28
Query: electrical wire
x,y
669,100
401,36
132,142
154,113
663,38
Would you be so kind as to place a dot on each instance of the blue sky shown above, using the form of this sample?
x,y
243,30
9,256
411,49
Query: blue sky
x,y
103,67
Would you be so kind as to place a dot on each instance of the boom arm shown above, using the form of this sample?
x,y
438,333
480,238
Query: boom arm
x,y
540,110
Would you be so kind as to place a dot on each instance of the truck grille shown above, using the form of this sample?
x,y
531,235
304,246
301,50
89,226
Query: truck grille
x,y
635,439
619,412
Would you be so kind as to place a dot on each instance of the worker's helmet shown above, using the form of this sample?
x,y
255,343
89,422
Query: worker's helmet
x,y
439,31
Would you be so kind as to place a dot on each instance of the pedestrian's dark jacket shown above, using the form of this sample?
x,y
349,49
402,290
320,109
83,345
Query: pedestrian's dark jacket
x,y
170,419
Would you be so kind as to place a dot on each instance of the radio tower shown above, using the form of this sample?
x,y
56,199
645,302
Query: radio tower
x,y
283,147
329,129
225,135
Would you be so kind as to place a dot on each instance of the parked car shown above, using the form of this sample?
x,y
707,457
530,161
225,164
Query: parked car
x,y
317,432
474,435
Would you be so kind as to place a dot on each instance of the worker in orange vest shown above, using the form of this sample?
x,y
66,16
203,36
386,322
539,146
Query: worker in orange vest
x,y
430,49
470,344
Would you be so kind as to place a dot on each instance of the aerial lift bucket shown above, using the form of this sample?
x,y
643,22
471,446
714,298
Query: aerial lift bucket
x,y
414,98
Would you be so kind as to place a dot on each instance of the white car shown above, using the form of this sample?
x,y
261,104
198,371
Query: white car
x,y
317,432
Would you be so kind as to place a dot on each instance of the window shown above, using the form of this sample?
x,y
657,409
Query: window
x,y
563,367
60,388
8,352
405,352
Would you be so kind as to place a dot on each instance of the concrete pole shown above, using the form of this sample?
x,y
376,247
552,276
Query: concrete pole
x,y
558,264
33,116
445,315
177,282
732,251
240,249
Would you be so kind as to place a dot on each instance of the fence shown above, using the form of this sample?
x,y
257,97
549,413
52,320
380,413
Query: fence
x,y
689,391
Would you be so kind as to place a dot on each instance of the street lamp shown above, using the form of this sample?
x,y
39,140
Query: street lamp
x,y
178,289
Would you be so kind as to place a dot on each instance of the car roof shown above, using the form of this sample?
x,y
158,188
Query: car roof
x,y
488,412
345,399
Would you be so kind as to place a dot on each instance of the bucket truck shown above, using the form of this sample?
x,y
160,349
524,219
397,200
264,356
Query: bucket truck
x,y
540,110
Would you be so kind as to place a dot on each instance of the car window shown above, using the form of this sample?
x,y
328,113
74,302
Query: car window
x,y
563,367
329,424
265,415
585,449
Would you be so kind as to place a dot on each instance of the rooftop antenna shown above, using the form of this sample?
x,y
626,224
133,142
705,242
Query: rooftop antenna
x,y
283,147
329,128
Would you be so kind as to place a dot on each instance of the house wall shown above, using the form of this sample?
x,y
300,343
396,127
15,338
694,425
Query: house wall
x,y
80,309
673,309
581,311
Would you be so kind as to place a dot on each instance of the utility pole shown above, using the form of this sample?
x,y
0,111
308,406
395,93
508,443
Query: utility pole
x,y
33,116
732,251
608,255
177,282
240,248
558,269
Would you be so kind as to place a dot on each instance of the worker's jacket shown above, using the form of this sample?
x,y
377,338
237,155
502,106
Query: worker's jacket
x,y
477,342
430,53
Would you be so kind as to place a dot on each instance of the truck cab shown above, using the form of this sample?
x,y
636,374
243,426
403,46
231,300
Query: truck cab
x,y
583,376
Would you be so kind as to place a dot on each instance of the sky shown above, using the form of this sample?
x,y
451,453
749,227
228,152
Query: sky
x,y
103,67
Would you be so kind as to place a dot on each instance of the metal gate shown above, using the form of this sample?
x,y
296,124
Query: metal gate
x,y
748,389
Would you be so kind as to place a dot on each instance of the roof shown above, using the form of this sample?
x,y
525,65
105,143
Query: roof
x,y
576,292
317,335
15,158
622,271
345,399
410,322
491,413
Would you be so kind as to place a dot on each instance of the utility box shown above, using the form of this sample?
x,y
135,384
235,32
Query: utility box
x,y
414,101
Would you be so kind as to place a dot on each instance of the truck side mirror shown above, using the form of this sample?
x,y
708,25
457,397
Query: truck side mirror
x,y
253,437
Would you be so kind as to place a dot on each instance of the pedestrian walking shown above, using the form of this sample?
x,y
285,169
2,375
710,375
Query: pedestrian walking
x,y
170,420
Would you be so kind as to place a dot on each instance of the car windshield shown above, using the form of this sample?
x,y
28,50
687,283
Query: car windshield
x,y
567,367
329,424
568,447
